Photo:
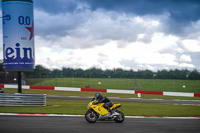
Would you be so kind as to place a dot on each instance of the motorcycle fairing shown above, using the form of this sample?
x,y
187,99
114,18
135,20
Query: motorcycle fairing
x,y
115,106
100,109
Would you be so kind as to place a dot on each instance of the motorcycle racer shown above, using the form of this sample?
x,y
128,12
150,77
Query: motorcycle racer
x,y
101,108
103,99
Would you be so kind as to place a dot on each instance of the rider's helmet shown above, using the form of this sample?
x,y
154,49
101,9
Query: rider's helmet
x,y
98,96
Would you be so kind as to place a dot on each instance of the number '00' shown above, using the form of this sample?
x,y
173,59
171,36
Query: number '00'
x,y
24,20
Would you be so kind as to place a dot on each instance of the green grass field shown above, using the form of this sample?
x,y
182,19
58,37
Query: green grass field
x,y
121,83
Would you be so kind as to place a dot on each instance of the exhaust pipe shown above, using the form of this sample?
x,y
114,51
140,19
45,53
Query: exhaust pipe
x,y
103,117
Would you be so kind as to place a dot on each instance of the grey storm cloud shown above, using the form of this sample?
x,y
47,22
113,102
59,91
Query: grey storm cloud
x,y
181,12
55,6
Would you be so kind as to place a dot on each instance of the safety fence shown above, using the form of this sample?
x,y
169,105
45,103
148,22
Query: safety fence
x,y
168,85
184,94
7,99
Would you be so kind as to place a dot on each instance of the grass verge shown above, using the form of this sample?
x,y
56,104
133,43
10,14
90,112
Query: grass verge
x,y
129,109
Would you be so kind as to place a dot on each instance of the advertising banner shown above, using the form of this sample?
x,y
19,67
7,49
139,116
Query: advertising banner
x,y
18,35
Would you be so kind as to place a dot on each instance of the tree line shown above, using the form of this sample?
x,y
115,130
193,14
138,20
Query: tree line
x,y
41,72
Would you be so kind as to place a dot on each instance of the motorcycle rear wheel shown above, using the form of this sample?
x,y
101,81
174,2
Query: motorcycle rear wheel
x,y
91,116
120,118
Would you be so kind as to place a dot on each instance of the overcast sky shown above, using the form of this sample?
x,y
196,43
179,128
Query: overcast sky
x,y
107,34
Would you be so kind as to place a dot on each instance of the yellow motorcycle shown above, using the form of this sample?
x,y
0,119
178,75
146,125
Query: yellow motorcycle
x,y
96,111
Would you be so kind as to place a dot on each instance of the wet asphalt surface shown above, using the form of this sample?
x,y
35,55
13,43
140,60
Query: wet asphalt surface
x,y
53,124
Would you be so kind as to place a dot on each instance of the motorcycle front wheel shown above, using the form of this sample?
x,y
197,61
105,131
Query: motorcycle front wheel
x,y
91,116
120,118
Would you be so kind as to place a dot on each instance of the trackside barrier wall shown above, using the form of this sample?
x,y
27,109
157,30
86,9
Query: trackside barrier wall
x,y
121,91
178,93
67,89
184,94
7,99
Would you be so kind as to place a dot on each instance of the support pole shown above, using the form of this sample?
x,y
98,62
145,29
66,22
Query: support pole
x,y
19,82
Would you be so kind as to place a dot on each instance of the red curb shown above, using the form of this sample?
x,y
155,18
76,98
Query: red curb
x,y
1,85
196,94
150,92
42,87
93,90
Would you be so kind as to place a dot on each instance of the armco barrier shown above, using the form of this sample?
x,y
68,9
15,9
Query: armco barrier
x,y
7,99
93,90
149,92
196,94
178,94
1,85
42,87
121,91
184,94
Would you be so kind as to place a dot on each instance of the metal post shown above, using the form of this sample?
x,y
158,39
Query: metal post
x,y
135,84
90,80
19,82
73,81
154,81
56,80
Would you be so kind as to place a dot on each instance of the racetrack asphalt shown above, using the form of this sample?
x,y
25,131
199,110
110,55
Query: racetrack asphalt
x,y
55,124
142,100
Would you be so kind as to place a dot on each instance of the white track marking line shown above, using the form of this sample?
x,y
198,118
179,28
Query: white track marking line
x,y
66,115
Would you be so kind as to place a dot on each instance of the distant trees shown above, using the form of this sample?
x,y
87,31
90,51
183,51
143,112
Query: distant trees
x,y
194,75
41,71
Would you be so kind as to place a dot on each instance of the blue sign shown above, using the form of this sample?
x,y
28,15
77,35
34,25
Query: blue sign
x,y
18,35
